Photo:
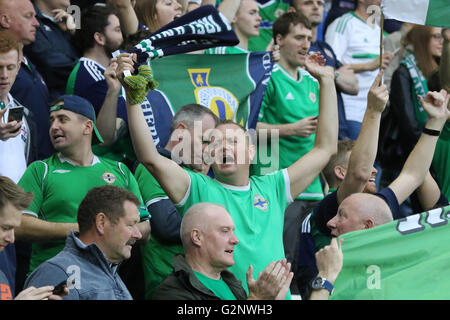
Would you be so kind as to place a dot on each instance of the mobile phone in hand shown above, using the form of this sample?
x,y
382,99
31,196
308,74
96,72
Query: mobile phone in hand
x,y
15,113
59,289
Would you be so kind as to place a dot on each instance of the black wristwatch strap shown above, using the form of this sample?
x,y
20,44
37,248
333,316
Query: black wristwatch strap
x,y
431,132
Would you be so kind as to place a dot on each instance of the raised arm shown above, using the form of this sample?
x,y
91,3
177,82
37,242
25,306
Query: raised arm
x,y
418,163
129,22
303,171
364,151
107,122
429,193
173,179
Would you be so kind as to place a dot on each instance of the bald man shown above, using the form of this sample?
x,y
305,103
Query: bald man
x,y
364,211
359,211
207,234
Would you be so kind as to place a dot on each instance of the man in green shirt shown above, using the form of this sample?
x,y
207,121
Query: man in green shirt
x,y
207,234
165,241
255,203
60,182
290,107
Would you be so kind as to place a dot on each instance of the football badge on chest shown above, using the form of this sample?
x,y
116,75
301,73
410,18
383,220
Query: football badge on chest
x,y
109,178
260,203
312,97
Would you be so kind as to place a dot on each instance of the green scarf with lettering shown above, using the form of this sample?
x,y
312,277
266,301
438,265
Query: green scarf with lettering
x,y
419,87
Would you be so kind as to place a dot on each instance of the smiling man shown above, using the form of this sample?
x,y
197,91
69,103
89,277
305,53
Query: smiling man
x,y
256,203
207,234
108,218
60,182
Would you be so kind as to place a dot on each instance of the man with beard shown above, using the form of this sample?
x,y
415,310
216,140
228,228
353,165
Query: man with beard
x,y
100,35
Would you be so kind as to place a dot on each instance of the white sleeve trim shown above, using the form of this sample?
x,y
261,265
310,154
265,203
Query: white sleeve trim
x,y
155,200
186,196
287,183
30,213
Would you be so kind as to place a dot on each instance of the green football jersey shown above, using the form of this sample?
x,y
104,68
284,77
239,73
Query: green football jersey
x,y
218,287
288,100
258,214
156,256
226,50
440,160
59,186
269,11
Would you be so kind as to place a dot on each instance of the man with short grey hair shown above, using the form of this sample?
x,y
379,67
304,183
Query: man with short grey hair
x,y
188,129
108,218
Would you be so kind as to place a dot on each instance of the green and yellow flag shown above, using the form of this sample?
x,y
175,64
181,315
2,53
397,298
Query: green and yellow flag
x,y
231,85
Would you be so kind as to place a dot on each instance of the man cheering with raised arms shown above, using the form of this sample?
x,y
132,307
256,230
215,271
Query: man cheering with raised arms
x,y
256,203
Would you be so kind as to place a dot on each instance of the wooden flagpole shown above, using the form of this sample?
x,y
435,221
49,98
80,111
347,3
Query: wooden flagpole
x,y
381,39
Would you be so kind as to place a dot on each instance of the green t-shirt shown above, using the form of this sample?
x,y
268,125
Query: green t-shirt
x,y
269,11
258,214
288,100
226,50
156,256
441,162
59,186
218,287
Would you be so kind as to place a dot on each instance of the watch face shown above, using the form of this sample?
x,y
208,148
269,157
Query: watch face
x,y
317,283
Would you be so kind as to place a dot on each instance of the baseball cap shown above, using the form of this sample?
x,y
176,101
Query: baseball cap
x,y
81,106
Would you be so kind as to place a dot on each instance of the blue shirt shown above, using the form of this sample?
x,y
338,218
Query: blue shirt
x,y
8,266
53,54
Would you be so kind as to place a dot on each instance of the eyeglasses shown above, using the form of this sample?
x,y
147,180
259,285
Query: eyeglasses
x,y
437,36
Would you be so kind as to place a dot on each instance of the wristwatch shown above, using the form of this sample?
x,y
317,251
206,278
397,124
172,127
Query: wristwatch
x,y
336,74
322,283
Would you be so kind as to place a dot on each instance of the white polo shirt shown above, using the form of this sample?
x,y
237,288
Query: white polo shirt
x,y
13,161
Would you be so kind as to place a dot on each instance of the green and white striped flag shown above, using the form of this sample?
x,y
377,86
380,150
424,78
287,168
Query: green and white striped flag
x,y
424,12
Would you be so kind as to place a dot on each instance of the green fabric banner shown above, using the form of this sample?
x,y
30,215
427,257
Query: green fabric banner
x,y
231,85
406,259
